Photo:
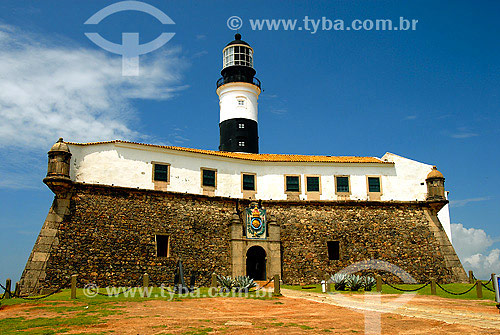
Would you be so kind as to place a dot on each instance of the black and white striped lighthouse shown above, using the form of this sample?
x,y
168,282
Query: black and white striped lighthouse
x,y
238,92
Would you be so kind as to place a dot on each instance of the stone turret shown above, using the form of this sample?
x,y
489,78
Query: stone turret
x,y
435,185
58,179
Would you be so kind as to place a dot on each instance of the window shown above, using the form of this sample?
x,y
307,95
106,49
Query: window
x,y
241,143
292,183
374,184
208,178
333,250
342,184
241,102
312,184
248,182
162,246
160,172
238,55
241,125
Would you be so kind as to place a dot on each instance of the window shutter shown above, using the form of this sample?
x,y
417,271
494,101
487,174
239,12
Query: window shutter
x,y
312,184
373,184
342,184
161,172
248,182
292,184
209,178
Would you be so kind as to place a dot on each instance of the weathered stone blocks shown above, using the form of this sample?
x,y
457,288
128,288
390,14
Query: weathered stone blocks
x,y
108,237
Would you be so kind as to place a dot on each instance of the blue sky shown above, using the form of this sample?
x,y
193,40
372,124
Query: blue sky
x,y
431,95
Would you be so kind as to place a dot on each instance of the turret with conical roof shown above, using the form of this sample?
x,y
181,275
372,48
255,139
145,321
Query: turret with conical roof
x,y
58,178
435,185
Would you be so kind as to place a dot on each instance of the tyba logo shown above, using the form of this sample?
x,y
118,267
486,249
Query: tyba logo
x,y
130,49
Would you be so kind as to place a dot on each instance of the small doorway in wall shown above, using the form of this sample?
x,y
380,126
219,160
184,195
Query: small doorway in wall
x,y
256,263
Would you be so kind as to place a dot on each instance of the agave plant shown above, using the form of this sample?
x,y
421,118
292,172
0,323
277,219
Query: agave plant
x,y
340,281
243,283
368,283
355,282
227,283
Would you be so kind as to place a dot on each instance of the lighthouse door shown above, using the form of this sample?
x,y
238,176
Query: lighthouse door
x,y
256,263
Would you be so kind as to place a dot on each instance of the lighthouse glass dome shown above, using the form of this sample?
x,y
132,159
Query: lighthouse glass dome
x,y
240,55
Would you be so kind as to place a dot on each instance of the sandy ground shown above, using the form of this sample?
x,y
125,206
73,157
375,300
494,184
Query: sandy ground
x,y
296,313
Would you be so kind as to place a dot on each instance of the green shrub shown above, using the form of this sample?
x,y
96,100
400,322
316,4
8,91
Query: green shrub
x,y
340,281
368,283
227,283
243,283
355,282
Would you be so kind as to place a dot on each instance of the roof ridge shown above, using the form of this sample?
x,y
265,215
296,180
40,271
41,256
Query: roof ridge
x,y
270,157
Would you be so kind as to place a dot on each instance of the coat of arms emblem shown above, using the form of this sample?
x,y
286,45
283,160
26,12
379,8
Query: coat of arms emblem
x,y
256,222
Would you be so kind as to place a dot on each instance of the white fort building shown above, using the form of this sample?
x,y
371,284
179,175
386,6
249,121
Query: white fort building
x,y
238,170
124,208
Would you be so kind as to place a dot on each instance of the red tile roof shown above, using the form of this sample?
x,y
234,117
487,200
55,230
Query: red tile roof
x,y
256,157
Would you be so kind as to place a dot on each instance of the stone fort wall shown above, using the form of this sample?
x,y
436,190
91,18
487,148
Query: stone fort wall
x,y
107,235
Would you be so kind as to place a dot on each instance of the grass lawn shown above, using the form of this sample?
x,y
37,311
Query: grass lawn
x,y
456,288
61,313
85,311
134,295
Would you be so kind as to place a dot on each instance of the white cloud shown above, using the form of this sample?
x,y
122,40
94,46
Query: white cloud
x,y
52,88
483,265
463,202
469,241
472,246
279,111
463,132
464,135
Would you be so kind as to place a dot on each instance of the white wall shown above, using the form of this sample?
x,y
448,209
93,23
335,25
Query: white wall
x,y
129,165
411,174
444,218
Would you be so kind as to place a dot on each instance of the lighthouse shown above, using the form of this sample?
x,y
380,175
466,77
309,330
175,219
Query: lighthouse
x,y
238,92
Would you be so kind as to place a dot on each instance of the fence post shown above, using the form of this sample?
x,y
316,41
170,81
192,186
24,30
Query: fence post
x,y
73,286
471,277
8,284
17,290
433,286
212,291
145,285
493,279
214,280
379,283
277,290
328,284
479,289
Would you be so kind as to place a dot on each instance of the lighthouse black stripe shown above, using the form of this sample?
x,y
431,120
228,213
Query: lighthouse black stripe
x,y
239,135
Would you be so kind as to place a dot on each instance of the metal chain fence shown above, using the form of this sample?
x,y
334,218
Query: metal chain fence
x,y
454,293
46,295
95,290
405,290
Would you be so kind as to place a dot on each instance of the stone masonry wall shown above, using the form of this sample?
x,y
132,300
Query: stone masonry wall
x,y
394,232
108,237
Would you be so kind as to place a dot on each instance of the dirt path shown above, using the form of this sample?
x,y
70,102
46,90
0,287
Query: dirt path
x,y
451,311
296,313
